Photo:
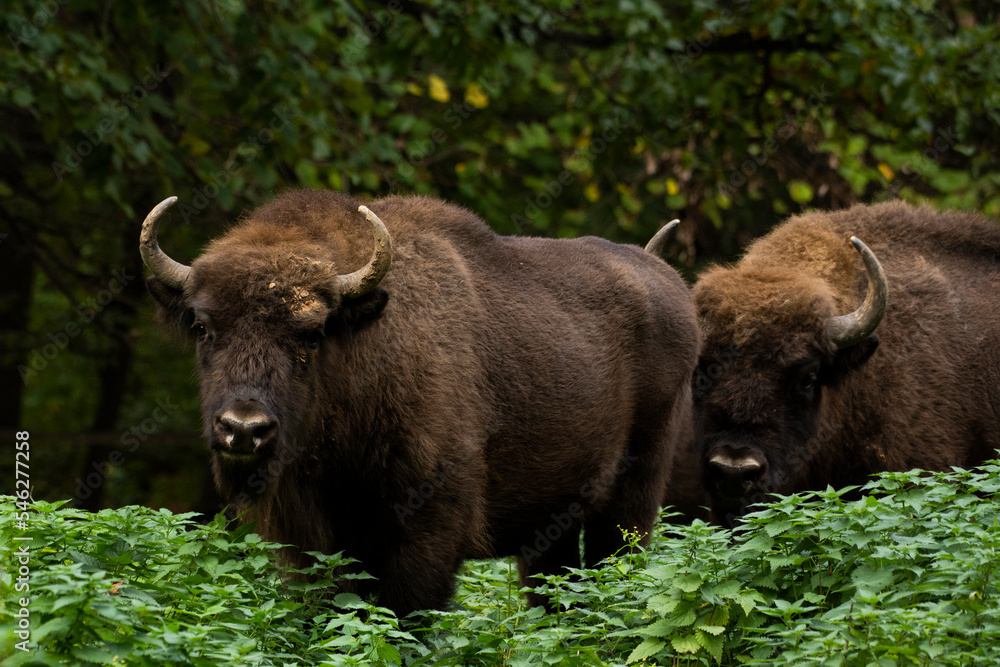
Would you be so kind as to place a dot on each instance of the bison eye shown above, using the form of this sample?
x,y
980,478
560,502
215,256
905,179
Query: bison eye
x,y
803,380
807,385
199,330
313,338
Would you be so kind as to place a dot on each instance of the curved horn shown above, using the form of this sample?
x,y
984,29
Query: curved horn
x,y
365,279
655,245
173,274
851,329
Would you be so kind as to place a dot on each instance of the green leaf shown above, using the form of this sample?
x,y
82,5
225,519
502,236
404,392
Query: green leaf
x,y
662,605
719,616
93,654
680,620
648,648
686,644
727,589
389,653
776,528
800,191
23,97
871,579
56,627
757,545
688,582
349,601
711,643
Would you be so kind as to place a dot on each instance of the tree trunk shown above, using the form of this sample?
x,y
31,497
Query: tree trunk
x,y
113,373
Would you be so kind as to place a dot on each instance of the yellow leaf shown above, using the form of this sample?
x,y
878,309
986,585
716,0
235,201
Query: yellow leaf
x,y
460,167
414,89
672,188
438,89
592,192
886,171
198,147
475,96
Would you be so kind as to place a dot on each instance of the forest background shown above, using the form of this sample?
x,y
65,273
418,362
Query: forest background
x,y
549,118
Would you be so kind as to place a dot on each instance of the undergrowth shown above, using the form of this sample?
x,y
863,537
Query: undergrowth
x,y
906,576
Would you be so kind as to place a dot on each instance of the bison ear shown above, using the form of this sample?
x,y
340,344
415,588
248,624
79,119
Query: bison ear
x,y
362,310
853,357
170,305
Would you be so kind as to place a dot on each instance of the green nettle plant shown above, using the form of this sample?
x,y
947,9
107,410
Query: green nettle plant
x,y
905,576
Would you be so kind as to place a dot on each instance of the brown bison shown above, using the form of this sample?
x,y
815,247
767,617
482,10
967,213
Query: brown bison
x,y
485,396
793,394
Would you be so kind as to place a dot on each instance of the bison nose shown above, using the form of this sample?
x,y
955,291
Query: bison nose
x,y
735,476
241,433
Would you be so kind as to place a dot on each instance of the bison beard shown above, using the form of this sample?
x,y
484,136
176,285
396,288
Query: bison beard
x,y
790,395
483,393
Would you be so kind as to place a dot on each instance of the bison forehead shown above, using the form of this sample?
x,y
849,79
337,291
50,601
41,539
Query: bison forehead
x,y
741,307
296,298
265,284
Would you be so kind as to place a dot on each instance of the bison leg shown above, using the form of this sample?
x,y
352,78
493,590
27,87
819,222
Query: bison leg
x,y
548,556
635,502
419,576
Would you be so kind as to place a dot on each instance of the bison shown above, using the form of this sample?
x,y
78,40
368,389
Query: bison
x,y
420,391
793,394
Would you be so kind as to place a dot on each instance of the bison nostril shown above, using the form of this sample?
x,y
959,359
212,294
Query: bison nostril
x,y
244,434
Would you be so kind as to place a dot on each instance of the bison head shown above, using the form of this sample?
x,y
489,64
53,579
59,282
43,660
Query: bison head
x,y
262,304
774,347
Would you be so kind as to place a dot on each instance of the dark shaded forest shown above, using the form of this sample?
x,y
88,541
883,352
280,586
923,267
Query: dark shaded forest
x,y
549,118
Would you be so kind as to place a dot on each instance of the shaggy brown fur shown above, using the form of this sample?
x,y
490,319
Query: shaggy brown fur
x,y
772,388
489,398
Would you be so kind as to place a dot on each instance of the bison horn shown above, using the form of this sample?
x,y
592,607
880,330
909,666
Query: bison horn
x,y
655,245
173,274
851,329
365,279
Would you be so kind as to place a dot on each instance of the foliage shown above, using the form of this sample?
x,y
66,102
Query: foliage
x,y
906,575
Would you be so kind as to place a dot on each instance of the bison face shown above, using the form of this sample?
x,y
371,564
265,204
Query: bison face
x,y
766,403
762,417
267,312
